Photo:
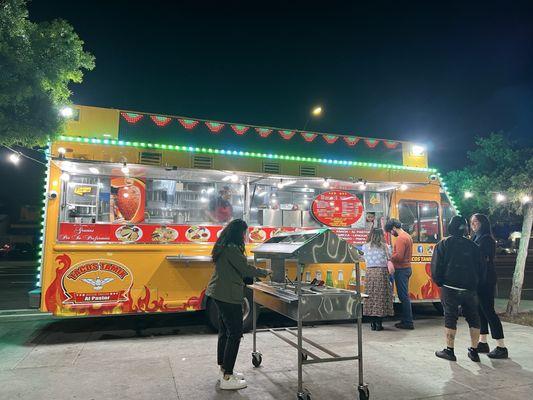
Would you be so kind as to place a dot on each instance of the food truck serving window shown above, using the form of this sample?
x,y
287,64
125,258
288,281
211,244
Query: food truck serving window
x,y
420,219
145,209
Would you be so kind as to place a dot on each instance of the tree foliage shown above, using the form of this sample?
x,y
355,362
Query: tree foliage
x,y
37,62
497,165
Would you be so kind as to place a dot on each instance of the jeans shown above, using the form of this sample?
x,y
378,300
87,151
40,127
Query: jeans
x,y
401,278
487,314
451,300
229,334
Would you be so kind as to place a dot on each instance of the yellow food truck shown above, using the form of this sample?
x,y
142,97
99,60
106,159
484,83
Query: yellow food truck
x,y
134,202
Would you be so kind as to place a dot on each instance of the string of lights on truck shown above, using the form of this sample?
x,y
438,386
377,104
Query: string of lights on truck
x,y
111,142
43,217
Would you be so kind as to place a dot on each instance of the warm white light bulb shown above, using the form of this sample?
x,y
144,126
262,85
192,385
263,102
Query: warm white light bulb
x,y
500,197
417,150
403,187
525,199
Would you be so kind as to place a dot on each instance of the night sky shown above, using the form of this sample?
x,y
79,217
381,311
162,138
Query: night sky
x,y
435,74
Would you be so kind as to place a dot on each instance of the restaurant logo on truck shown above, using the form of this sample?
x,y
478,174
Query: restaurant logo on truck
x,y
97,282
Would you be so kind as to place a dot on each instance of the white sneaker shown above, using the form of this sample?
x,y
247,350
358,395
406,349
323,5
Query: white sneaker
x,y
233,383
239,375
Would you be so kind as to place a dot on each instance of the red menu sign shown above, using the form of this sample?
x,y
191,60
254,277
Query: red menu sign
x,y
337,208
158,234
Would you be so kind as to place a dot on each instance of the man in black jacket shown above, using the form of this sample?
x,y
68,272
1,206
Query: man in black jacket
x,y
457,268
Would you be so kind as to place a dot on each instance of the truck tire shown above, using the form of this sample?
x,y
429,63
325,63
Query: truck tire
x,y
247,322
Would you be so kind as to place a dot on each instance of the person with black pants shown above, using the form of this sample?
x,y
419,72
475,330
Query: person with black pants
x,y
457,268
484,239
226,289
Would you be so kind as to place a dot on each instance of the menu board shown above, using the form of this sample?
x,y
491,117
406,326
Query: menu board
x,y
337,208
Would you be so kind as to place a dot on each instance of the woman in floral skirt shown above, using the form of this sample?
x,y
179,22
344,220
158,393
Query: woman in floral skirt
x,y
377,287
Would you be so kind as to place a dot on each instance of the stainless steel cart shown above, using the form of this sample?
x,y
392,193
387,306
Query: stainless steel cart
x,y
305,301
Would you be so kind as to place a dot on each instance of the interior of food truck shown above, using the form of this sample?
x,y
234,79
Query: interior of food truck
x,y
175,196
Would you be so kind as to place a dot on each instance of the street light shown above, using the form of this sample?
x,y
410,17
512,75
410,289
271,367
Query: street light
x,y
315,112
66,112
14,158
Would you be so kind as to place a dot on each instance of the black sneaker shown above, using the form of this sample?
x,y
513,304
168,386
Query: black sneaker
x,y
473,355
499,352
446,354
483,347
401,325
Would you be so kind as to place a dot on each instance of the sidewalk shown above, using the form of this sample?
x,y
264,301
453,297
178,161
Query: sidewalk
x,y
87,359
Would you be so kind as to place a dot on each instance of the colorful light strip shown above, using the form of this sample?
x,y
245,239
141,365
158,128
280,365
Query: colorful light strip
x,y
445,188
40,253
243,153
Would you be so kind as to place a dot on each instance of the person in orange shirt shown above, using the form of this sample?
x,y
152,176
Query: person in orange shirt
x,y
401,258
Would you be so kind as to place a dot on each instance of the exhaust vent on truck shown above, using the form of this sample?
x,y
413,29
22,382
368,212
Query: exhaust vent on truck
x,y
307,170
202,162
271,168
150,158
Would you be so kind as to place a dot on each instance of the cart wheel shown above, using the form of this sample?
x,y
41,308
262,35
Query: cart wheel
x,y
364,394
257,359
304,396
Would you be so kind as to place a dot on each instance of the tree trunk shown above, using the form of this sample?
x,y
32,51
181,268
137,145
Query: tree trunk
x,y
519,269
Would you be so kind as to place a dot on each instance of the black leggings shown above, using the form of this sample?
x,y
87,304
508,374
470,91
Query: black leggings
x,y
229,334
487,314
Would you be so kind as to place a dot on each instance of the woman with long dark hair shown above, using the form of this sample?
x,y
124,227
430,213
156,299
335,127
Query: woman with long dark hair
x,y
377,287
483,238
226,288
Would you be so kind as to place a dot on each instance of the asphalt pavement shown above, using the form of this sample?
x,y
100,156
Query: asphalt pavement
x,y
17,278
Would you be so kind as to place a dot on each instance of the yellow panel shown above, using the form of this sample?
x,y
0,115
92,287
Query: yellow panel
x,y
413,160
94,122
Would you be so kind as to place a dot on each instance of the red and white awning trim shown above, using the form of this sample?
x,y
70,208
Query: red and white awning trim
x,y
264,132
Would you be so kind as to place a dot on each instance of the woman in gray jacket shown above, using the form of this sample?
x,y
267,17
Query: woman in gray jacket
x,y
226,288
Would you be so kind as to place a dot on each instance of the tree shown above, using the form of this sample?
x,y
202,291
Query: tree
x,y
499,182
37,62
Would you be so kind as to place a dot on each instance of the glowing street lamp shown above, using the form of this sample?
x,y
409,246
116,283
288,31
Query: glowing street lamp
x,y
14,158
317,111
66,112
